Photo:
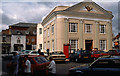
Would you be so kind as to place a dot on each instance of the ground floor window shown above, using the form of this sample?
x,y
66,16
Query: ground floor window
x,y
40,46
33,47
102,44
53,45
73,45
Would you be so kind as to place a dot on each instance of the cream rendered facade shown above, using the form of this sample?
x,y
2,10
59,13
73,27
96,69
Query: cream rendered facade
x,y
62,16
40,37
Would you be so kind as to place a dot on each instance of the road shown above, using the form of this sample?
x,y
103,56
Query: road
x,y
61,67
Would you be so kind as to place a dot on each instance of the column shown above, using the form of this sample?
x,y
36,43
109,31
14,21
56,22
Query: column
x,y
66,22
96,42
109,36
81,34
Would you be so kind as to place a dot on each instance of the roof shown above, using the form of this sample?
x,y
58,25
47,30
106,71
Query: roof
x,y
67,10
109,57
24,24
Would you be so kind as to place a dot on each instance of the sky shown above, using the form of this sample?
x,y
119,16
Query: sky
x,y
14,11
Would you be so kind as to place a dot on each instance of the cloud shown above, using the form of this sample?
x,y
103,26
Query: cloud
x,y
34,12
3,27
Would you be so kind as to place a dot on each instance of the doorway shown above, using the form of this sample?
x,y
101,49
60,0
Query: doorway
x,y
89,45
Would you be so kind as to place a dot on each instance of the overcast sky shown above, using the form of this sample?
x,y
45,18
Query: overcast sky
x,y
13,11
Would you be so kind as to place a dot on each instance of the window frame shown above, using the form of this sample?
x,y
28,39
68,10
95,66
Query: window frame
x,y
40,31
88,26
74,44
101,44
73,27
100,29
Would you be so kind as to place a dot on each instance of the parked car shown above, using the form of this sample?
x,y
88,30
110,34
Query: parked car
x,y
72,56
58,56
83,55
8,56
30,52
38,64
97,53
104,66
114,52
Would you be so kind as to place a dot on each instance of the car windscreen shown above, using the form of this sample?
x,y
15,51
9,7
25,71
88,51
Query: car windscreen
x,y
41,59
111,51
118,51
34,52
26,52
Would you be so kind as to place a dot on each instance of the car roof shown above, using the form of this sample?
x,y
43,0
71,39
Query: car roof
x,y
109,58
32,55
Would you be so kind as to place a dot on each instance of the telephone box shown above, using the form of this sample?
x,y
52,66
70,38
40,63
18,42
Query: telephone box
x,y
66,50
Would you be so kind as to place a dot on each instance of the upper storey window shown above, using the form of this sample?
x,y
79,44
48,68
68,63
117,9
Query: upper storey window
x,y
102,29
73,27
88,28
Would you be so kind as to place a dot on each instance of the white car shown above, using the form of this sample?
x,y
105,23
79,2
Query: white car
x,y
58,56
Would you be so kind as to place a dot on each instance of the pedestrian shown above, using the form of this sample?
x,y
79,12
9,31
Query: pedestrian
x,y
40,53
52,67
15,63
27,67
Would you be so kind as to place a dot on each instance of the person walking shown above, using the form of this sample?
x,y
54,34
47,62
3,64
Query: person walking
x,y
52,67
27,67
15,63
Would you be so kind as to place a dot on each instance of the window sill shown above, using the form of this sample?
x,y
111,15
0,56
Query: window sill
x,y
102,33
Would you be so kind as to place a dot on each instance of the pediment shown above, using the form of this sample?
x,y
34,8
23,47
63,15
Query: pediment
x,y
89,7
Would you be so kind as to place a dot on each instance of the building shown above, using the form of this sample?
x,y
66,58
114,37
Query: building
x,y
20,36
40,37
6,41
116,41
85,25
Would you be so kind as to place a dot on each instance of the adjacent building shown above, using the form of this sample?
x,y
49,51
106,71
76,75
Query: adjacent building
x,y
40,37
20,36
85,25
116,42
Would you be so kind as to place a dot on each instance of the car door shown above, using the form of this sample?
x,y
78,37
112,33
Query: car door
x,y
100,68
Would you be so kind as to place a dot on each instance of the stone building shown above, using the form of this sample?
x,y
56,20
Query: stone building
x,y
84,25
40,37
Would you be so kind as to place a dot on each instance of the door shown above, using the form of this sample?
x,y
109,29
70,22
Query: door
x,y
89,45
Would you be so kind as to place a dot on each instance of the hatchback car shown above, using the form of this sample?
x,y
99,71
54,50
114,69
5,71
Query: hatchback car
x,y
105,66
114,52
97,53
83,55
38,64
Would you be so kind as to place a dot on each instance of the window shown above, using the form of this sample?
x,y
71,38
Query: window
x,y
27,41
40,46
40,30
102,44
33,47
18,40
88,28
53,45
73,27
102,28
52,29
44,33
27,32
44,45
4,39
48,32
33,40
34,32
48,44
73,44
